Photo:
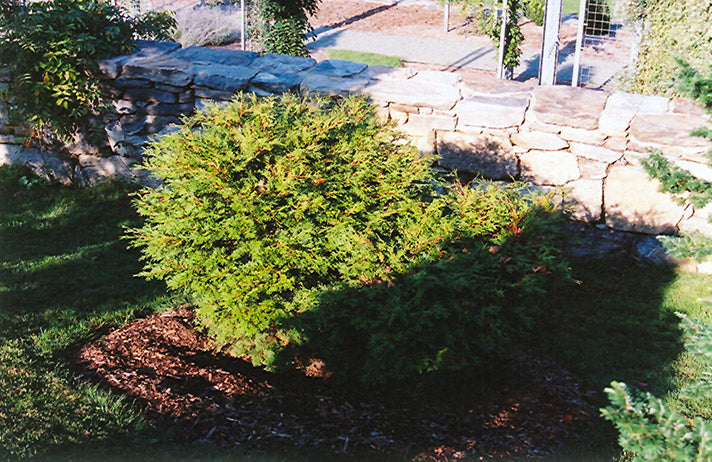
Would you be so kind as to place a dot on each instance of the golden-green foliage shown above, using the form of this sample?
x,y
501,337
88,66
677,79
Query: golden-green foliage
x,y
305,227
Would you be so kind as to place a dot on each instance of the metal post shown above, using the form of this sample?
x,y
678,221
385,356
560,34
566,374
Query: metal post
x,y
446,16
502,35
550,42
579,44
242,25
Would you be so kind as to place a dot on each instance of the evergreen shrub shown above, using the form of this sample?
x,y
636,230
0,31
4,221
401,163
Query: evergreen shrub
x,y
306,228
650,429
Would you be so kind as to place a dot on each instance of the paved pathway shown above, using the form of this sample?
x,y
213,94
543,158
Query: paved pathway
x,y
478,53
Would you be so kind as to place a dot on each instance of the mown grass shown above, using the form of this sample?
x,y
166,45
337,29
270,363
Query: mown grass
x,y
66,278
372,59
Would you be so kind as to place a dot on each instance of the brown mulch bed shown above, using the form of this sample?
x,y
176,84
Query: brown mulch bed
x,y
526,408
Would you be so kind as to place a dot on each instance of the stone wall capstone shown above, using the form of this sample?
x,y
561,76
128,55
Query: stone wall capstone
x,y
587,142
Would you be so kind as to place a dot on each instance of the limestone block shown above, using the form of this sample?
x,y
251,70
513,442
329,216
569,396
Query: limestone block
x,y
591,169
533,124
541,141
668,130
162,70
124,82
688,107
596,153
423,142
272,63
12,154
196,54
339,68
568,106
399,117
418,122
124,106
414,93
581,135
487,154
277,84
634,157
97,169
549,167
615,123
438,78
633,203
187,96
163,109
131,125
492,111
169,88
56,168
222,77
388,73
585,199
149,94
122,143
111,68
696,224
636,103
208,93
616,143
154,48
404,108
382,113
698,170
155,124
332,86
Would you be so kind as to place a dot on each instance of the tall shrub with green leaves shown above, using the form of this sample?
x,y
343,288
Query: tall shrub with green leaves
x,y
648,428
282,25
306,228
50,49
672,30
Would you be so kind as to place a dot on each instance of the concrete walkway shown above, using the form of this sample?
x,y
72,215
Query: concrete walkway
x,y
478,53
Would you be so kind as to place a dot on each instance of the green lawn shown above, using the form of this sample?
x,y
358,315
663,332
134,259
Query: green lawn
x,y
372,59
66,278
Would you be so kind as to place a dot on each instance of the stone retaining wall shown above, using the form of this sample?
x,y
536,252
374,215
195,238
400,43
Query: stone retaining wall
x,y
587,142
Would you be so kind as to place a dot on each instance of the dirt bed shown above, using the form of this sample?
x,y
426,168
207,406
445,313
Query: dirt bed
x,y
528,408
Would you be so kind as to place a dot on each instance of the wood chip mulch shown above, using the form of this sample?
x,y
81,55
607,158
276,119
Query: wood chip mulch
x,y
526,408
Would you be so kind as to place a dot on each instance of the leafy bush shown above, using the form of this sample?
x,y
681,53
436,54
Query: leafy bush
x,y
51,48
305,227
673,30
650,429
513,37
155,25
534,10
281,25
207,26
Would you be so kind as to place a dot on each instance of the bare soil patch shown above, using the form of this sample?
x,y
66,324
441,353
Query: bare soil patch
x,y
527,406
